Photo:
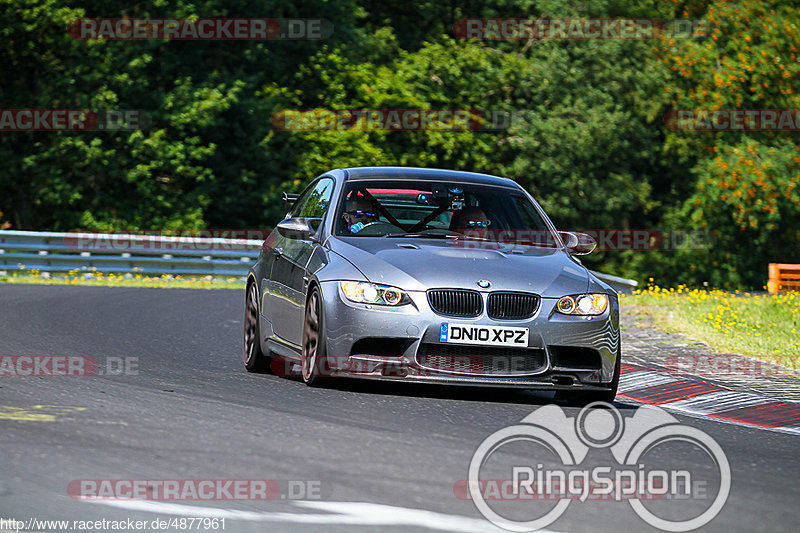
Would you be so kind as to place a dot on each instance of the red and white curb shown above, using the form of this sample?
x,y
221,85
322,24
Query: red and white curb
x,y
695,397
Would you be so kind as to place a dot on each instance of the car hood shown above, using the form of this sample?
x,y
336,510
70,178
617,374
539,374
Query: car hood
x,y
421,264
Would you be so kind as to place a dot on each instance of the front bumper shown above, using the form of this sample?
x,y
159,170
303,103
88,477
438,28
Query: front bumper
x,y
403,334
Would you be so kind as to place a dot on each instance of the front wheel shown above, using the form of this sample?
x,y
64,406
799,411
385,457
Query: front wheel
x,y
254,359
313,358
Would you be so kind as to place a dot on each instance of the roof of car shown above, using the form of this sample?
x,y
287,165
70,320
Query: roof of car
x,y
359,173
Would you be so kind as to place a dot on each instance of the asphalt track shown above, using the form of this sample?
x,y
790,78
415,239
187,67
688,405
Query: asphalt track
x,y
385,458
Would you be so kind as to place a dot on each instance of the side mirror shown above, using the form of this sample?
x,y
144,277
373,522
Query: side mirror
x,y
296,228
578,243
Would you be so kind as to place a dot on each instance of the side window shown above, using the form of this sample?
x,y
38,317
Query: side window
x,y
314,202
299,206
318,200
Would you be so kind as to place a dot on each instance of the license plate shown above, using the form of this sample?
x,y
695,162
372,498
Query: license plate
x,y
483,334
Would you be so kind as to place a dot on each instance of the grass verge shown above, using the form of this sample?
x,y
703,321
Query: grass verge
x,y
761,325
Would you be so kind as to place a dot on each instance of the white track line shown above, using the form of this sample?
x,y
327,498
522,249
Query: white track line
x,y
343,513
702,405
716,402
641,379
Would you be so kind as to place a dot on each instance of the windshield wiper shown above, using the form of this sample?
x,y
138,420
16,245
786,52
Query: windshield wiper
x,y
422,235
534,244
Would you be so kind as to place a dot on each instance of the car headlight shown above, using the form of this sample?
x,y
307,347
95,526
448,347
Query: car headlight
x,y
583,304
370,293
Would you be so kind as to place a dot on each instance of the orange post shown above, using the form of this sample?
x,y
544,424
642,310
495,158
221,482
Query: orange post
x,y
783,276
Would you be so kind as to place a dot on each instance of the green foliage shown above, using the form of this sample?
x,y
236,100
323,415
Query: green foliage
x,y
748,198
745,184
587,135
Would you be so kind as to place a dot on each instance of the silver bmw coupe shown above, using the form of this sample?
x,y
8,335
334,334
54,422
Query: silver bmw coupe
x,y
430,276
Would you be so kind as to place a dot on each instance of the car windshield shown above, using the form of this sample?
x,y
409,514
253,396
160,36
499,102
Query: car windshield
x,y
440,210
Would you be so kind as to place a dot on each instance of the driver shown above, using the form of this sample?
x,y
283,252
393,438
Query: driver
x,y
469,218
359,213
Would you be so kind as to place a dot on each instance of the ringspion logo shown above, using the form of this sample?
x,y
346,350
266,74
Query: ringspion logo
x,y
541,470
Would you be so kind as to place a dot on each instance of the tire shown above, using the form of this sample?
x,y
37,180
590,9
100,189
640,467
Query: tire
x,y
255,360
586,397
313,359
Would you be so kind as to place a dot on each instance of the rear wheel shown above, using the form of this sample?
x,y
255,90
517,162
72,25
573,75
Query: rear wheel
x,y
313,358
255,360
587,397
